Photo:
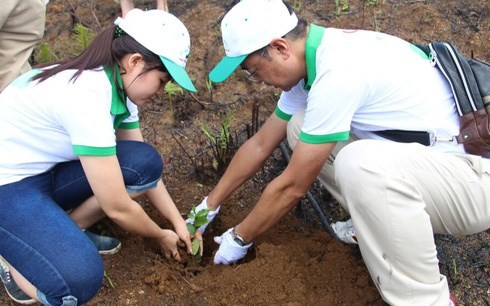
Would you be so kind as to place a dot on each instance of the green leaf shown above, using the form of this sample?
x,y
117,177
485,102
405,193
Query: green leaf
x,y
191,228
195,246
192,213
172,88
208,133
197,258
201,217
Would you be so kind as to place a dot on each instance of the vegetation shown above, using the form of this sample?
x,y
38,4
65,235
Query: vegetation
x,y
223,144
45,54
82,37
199,219
172,89
109,280
341,7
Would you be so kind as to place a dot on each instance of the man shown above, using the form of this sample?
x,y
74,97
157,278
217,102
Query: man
x,y
339,86
21,29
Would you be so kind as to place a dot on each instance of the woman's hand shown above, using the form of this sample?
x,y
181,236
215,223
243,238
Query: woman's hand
x,y
184,235
169,243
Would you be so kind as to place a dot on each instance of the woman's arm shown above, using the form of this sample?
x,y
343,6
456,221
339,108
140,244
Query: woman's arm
x,y
161,200
129,134
159,196
105,178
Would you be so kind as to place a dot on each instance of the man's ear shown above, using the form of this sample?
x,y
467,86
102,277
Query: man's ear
x,y
281,46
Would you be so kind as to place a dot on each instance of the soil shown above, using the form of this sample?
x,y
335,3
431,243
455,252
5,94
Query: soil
x,y
297,262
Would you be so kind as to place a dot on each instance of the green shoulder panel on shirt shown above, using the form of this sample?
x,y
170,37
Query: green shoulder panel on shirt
x,y
129,125
23,80
314,39
93,151
118,106
279,113
308,138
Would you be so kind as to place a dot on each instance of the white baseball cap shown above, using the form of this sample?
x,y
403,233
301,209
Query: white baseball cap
x,y
163,34
249,26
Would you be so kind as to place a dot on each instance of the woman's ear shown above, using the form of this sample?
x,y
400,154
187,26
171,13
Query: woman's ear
x,y
131,61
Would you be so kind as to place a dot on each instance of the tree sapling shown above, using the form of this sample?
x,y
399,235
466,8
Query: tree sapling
x,y
194,221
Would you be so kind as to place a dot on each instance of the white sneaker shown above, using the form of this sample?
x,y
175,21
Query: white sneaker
x,y
345,231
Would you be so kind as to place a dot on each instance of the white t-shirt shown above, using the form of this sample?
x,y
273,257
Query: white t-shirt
x,y
369,81
43,124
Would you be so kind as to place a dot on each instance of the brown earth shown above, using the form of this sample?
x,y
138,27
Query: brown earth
x,y
297,262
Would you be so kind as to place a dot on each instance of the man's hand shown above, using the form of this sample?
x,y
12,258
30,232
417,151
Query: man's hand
x,y
229,251
210,216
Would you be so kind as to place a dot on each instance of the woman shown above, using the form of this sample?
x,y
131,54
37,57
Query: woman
x,y
70,141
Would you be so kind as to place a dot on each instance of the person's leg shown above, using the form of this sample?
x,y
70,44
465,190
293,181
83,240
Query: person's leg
x,y
398,196
21,28
141,167
13,281
327,174
71,188
45,246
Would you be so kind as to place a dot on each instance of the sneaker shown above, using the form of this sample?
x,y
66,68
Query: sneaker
x,y
345,231
105,244
11,287
452,300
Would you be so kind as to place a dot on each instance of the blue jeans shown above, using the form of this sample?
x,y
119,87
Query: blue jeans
x,y
40,240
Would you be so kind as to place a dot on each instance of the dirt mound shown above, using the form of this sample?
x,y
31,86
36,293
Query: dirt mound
x,y
296,262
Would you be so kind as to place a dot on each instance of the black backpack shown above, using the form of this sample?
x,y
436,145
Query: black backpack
x,y
470,83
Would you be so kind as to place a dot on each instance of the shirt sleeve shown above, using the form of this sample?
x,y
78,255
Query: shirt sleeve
x,y
87,119
333,100
132,122
292,101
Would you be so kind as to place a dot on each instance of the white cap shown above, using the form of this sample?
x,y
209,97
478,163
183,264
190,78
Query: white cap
x,y
163,34
249,26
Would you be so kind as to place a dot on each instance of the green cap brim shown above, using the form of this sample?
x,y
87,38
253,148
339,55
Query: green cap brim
x,y
225,68
178,74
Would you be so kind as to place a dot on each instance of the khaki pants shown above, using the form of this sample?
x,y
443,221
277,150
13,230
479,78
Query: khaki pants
x,y
398,196
21,28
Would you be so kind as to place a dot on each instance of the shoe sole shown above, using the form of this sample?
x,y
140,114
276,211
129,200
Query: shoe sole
x,y
111,251
23,302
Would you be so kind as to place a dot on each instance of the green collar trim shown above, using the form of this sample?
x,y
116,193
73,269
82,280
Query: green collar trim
x,y
315,36
118,104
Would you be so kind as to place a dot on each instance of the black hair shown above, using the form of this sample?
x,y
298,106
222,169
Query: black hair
x,y
107,49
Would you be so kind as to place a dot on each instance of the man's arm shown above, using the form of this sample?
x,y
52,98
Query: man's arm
x,y
284,192
248,159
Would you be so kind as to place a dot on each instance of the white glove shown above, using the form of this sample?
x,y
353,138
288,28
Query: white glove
x,y
210,216
229,251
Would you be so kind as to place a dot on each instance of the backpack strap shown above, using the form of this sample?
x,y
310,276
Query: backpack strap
x,y
459,75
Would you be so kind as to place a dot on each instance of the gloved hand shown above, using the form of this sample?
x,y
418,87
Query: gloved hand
x,y
229,251
210,216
